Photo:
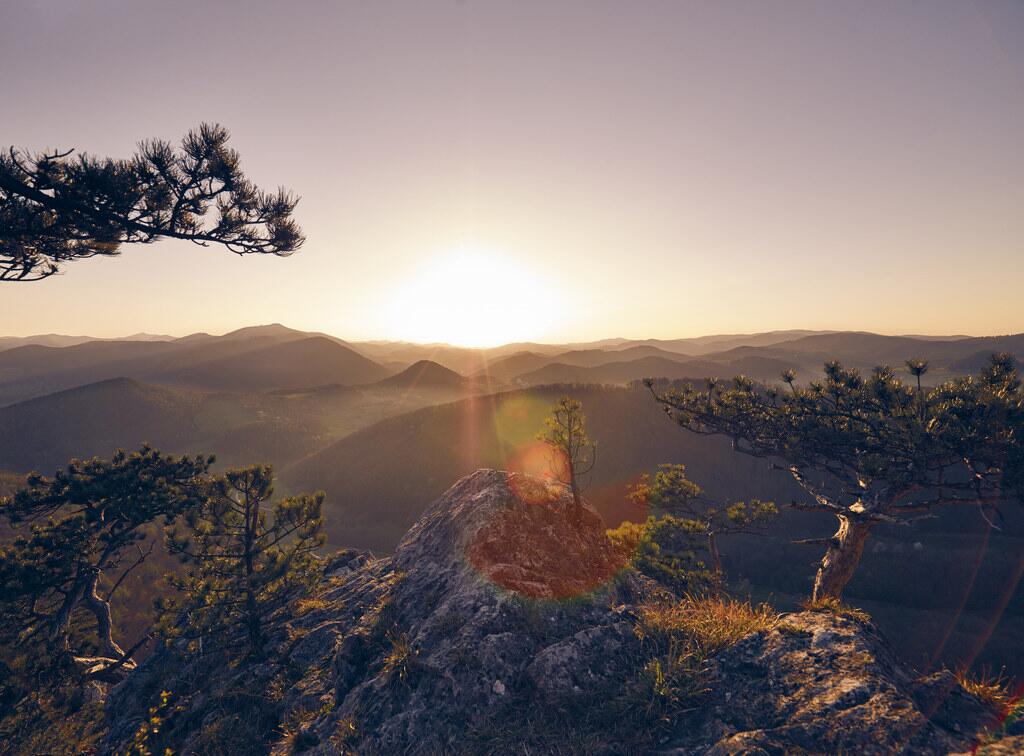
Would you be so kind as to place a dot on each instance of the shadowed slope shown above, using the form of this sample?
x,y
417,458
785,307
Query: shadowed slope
x,y
91,420
301,363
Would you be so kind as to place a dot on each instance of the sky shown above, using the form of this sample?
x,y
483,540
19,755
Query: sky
x,y
484,172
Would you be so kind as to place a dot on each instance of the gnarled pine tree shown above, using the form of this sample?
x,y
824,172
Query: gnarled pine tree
x,y
872,450
56,207
85,521
242,566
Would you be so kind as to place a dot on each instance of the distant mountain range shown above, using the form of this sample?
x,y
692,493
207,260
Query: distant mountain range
x,y
60,340
273,357
262,358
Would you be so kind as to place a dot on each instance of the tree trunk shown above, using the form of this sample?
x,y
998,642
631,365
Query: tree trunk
x,y
841,559
62,623
252,619
716,561
104,626
577,500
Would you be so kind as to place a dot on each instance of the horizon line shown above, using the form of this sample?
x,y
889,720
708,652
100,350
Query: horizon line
x,y
383,341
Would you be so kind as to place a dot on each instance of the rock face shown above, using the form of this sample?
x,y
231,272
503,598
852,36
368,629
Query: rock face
x,y
504,611
822,683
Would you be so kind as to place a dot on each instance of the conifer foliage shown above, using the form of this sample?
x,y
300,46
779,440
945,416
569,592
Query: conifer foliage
x,y
678,545
243,563
84,529
56,207
565,430
872,449
679,504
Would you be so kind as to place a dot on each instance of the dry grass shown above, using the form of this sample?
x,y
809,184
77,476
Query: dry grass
x,y
344,736
310,604
666,679
993,690
708,623
400,659
42,723
295,722
836,607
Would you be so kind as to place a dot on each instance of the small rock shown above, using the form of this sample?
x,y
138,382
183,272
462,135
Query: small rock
x,y
498,687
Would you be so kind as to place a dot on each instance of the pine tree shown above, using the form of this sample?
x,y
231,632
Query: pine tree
x,y
55,207
243,566
674,498
565,430
873,450
85,523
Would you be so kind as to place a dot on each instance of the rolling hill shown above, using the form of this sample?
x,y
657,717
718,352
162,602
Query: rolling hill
x,y
240,428
507,368
43,434
379,477
427,374
62,340
299,363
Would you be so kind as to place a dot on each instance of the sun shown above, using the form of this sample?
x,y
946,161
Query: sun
x,y
475,298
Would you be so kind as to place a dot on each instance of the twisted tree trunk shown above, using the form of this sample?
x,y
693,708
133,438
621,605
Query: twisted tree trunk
x,y
101,611
841,559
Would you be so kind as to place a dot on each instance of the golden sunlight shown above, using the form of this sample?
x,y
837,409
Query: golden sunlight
x,y
475,298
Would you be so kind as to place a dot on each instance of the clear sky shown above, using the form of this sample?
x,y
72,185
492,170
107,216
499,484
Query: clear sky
x,y
490,171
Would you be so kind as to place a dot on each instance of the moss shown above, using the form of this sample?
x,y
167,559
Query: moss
x,y
792,630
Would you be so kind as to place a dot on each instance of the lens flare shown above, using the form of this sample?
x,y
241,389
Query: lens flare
x,y
544,467
541,547
517,419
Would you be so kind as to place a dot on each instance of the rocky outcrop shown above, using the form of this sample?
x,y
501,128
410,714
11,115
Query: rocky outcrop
x,y
501,619
822,683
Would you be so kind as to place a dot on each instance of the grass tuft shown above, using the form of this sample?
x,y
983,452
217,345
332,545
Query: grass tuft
x,y
401,659
993,690
344,737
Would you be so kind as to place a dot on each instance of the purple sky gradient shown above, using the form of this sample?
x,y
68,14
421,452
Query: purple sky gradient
x,y
648,168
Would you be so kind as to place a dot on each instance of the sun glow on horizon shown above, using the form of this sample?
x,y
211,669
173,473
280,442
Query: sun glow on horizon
x,y
472,297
